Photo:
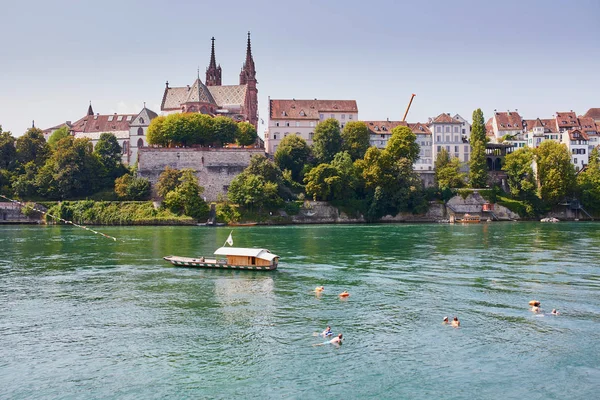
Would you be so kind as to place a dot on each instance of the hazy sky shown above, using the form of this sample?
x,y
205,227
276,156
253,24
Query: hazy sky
x,y
538,56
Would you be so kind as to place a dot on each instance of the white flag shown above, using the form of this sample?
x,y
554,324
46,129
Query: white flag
x,y
229,240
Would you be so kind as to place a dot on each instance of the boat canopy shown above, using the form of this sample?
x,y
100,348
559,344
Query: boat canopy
x,y
263,254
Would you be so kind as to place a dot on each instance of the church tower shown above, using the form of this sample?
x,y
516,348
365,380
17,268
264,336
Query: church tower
x,y
213,73
248,78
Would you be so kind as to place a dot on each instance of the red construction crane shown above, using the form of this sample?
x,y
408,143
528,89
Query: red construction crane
x,y
408,108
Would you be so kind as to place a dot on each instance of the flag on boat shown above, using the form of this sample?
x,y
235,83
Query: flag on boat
x,y
229,240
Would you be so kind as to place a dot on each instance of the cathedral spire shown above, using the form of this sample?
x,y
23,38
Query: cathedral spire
x,y
248,70
213,73
90,109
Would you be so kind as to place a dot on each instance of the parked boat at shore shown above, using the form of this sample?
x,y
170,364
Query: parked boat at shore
x,y
470,219
242,223
552,219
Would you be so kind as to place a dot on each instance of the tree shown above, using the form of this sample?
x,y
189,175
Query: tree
x,y
224,130
186,197
355,139
246,134
327,141
292,154
556,173
24,185
403,144
323,182
156,132
8,151
58,134
589,183
262,166
478,170
129,187
478,173
168,181
447,171
32,147
521,178
109,154
253,191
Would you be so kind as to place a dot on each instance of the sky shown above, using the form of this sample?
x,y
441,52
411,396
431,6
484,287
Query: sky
x,y
536,56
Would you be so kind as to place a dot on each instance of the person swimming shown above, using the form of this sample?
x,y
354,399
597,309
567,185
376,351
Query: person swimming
x,y
554,312
336,340
344,294
536,309
327,332
445,320
319,289
455,322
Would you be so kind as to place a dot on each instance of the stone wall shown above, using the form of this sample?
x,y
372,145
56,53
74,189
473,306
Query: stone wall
x,y
10,213
215,167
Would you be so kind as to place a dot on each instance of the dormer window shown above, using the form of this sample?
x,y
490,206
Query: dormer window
x,y
283,114
376,128
302,113
383,128
119,118
110,118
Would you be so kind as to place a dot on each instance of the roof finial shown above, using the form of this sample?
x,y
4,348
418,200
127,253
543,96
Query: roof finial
x,y
33,123
90,109
144,104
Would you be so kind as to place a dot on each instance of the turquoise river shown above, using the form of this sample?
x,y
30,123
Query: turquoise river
x,y
84,317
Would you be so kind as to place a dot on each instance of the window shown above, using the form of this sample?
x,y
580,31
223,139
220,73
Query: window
x,y
447,129
383,136
276,123
140,131
439,148
110,118
311,135
343,116
456,129
448,149
574,161
321,116
438,129
119,118
447,138
125,147
456,149
312,123
274,136
439,138
130,117
349,116
287,123
332,115
141,120
466,148
456,138
140,142
466,157
302,113
297,124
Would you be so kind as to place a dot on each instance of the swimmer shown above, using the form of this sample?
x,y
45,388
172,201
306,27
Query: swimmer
x,y
336,340
319,289
344,294
327,332
455,322
554,312
445,321
534,303
536,309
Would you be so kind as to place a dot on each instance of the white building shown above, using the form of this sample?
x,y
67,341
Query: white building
x,y
447,133
425,142
381,131
539,130
577,143
300,117
508,128
465,128
138,129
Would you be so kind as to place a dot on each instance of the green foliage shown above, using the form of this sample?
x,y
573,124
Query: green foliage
x,y
184,130
478,127
447,171
128,187
478,171
114,213
261,165
323,182
5,179
521,178
224,130
521,207
327,140
589,183
227,212
246,134
57,135
403,144
24,184
355,139
156,133
168,181
8,151
292,207
556,173
253,191
292,154
185,198
32,147
109,153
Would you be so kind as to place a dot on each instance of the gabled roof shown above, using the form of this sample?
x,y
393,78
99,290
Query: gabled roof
x,y
445,119
508,121
143,118
383,127
199,93
576,134
103,123
174,98
566,119
587,124
263,254
549,124
228,95
309,109
54,128
593,113
419,129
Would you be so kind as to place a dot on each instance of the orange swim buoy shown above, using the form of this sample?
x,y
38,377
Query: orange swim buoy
x,y
344,294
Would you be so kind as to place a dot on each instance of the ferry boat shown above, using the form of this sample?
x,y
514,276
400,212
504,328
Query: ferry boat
x,y
470,219
235,258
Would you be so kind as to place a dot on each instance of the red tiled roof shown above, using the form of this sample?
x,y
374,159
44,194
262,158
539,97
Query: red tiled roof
x,y
54,128
583,135
587,124
383,127
103,123
593,113
566,119
548,124
445,119
309,109
419,128
508,121
489,130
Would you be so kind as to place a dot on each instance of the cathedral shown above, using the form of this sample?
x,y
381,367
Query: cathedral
x,y
239,102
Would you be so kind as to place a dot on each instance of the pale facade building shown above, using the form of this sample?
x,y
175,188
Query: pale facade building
x,y
446,133
425,142
381,131
539,130
577,143
138,130
507,127
301,117
465,129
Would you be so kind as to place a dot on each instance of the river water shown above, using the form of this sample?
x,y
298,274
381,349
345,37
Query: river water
x,y
84,317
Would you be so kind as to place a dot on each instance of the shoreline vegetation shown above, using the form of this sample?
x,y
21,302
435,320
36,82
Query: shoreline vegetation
x,y
356,181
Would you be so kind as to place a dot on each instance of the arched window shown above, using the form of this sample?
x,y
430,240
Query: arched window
x,y
140,142
141,120
140,131
203,110
125,147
